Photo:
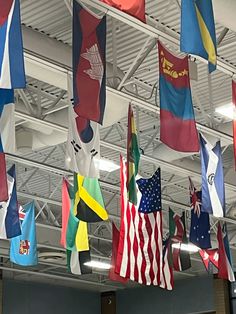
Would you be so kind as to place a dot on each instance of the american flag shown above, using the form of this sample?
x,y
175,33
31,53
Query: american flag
x,y
140,252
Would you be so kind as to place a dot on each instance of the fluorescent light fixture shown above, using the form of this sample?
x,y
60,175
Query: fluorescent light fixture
x,y
106,165
97,264
186,247
227,111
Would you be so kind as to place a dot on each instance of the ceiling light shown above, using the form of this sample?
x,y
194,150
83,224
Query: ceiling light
x,y
97,264
186,247
227,111
106,165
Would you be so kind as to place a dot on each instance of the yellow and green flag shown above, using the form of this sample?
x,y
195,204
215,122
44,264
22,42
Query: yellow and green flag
x,y
133,157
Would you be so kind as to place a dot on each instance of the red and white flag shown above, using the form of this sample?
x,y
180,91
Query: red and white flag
x,y
140,252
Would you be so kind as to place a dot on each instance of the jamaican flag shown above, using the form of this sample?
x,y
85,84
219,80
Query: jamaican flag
x,y
133,157
89,203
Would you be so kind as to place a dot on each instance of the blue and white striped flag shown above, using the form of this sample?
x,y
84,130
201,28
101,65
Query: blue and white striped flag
x,y
12,72
213,189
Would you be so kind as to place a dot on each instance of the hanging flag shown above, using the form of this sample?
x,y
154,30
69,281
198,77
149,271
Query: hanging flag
x,y
23,249
225,261
133,157
198,16
200,231
66,207
134,8
234,117
180,258
167,278
213,189
177,120
176,227
89,204
12,72
89,63
6,98
83,145
7,127
140,251
210,257
76,262
115,244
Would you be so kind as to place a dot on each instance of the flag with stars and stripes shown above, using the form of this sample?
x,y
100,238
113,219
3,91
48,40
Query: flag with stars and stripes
x,y
140,251
200,233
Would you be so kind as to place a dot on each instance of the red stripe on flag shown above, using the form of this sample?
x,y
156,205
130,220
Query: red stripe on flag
x,y
3,179
5,7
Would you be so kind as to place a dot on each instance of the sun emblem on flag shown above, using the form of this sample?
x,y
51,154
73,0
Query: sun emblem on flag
x,y
24,247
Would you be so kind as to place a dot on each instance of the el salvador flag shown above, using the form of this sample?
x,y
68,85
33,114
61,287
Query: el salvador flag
x,y
12,72
23,249
213,189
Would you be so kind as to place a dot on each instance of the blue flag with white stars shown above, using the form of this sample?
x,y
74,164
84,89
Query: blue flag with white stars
x,y
151,193
200,225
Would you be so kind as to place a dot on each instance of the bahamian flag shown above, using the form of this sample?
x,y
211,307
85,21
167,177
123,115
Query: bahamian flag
x,y
177,121
198,30
89,63
12,72
133,157
23,249
89,203
213,189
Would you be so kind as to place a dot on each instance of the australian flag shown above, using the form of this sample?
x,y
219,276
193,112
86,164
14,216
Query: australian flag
x,y
151,193
200,224
12,72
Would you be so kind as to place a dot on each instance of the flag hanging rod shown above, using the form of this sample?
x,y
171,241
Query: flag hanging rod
x,y
168,167
152,31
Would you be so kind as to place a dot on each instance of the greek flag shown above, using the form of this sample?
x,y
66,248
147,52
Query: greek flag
x,y
213,190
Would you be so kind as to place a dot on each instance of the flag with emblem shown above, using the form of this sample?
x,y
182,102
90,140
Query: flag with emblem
x,y
89,203
133,157
234,117
23,249
83,142
135,8
12,72
140,251
225,263
89,63
210,257
198,16
177,121
213,189
200,233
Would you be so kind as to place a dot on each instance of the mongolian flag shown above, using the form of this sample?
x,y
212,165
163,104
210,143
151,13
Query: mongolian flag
x,y
213,189
89,203
12,72
177,121
133,157
234,118
89,64
198,30
135,8
225,264
23,249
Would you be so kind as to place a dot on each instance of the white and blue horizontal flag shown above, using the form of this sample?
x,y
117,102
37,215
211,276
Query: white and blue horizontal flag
x,y
213,189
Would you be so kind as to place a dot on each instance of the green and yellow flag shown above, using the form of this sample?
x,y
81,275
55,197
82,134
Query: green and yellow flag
x,y
133,157
89,204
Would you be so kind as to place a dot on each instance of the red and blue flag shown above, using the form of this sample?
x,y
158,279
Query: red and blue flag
x,y
89,64
177,120
12,72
